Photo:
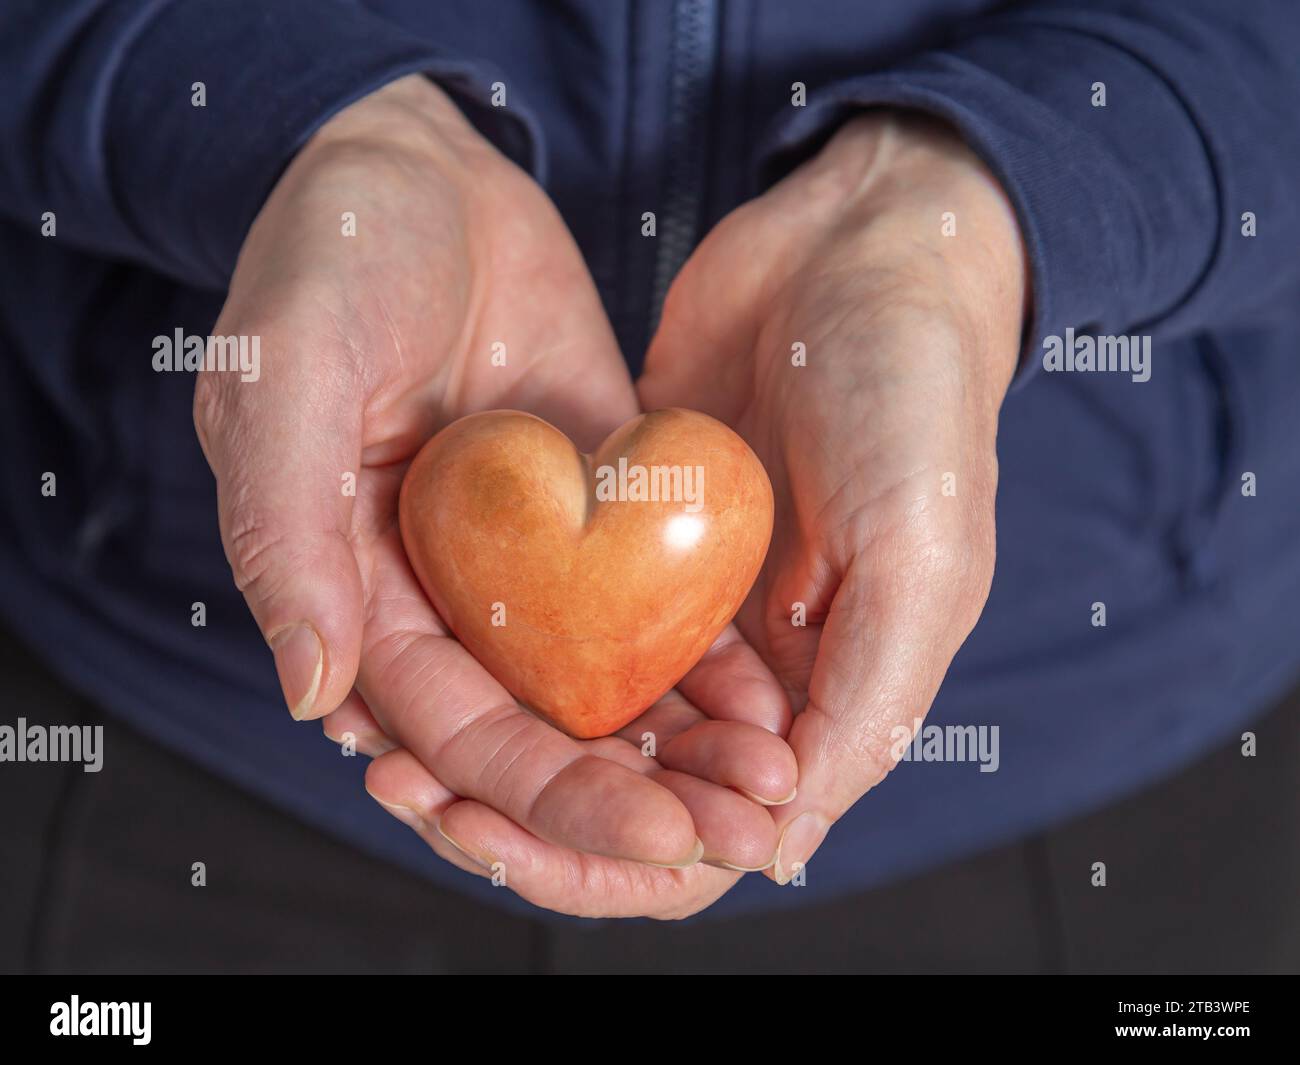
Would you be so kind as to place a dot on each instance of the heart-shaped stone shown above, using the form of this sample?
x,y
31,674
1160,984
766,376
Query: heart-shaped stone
x,y
587,585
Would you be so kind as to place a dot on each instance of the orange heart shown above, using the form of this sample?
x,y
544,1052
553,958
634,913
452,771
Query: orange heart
x,y
587,585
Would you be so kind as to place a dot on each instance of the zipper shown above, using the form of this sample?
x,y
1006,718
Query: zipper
x,y
694,40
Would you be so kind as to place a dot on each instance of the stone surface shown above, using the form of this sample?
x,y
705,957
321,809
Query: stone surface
x,y
607,598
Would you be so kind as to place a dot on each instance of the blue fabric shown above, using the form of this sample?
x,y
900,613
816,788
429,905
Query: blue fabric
x,y
1110,491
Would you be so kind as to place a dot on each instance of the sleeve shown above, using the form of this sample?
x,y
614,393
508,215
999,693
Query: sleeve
x,y
100,121
1137,214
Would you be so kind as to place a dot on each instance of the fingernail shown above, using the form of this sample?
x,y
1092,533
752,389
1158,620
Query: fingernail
x,y
481,863
799,841
697,852
405,814
371,744
299,659
720,863
768,802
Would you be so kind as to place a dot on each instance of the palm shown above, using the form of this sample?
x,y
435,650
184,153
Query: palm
x,y
514,324
881,509
460,290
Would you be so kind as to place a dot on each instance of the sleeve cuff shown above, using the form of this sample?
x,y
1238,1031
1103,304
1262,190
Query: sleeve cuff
x,y
1091,236
272,74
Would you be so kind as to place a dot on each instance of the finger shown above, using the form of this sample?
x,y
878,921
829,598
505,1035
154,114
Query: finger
x,y
708,309
666,719
279,448
566,367
735,755
869,684
354,721
399,783
569,882
480,841
482,745
735,830
737,834
732,683
729,753
408,791
585,397
620,752
432,698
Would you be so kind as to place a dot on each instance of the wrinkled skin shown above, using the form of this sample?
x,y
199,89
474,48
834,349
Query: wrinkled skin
x,y
371,343
910,338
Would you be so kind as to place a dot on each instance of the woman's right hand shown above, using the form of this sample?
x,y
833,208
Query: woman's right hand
x,y
369,344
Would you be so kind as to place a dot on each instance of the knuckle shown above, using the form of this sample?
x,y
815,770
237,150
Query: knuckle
x,y
257,552
957,570
939,566
501,747
413,682
870,757
862,747
511,741
208,404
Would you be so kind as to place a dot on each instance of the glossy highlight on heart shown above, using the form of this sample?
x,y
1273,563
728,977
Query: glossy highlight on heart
x,y
587,585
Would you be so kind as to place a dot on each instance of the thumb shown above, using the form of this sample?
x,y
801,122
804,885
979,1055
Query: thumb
x,y
281,448
880,660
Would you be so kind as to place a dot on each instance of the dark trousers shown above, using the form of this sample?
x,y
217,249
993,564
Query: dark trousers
x,y
1203,876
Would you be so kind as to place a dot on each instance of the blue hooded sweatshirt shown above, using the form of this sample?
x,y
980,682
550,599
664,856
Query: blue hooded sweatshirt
x,y
1173,211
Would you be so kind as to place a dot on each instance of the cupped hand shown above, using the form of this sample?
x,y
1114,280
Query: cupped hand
x,y
402,274
858,325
